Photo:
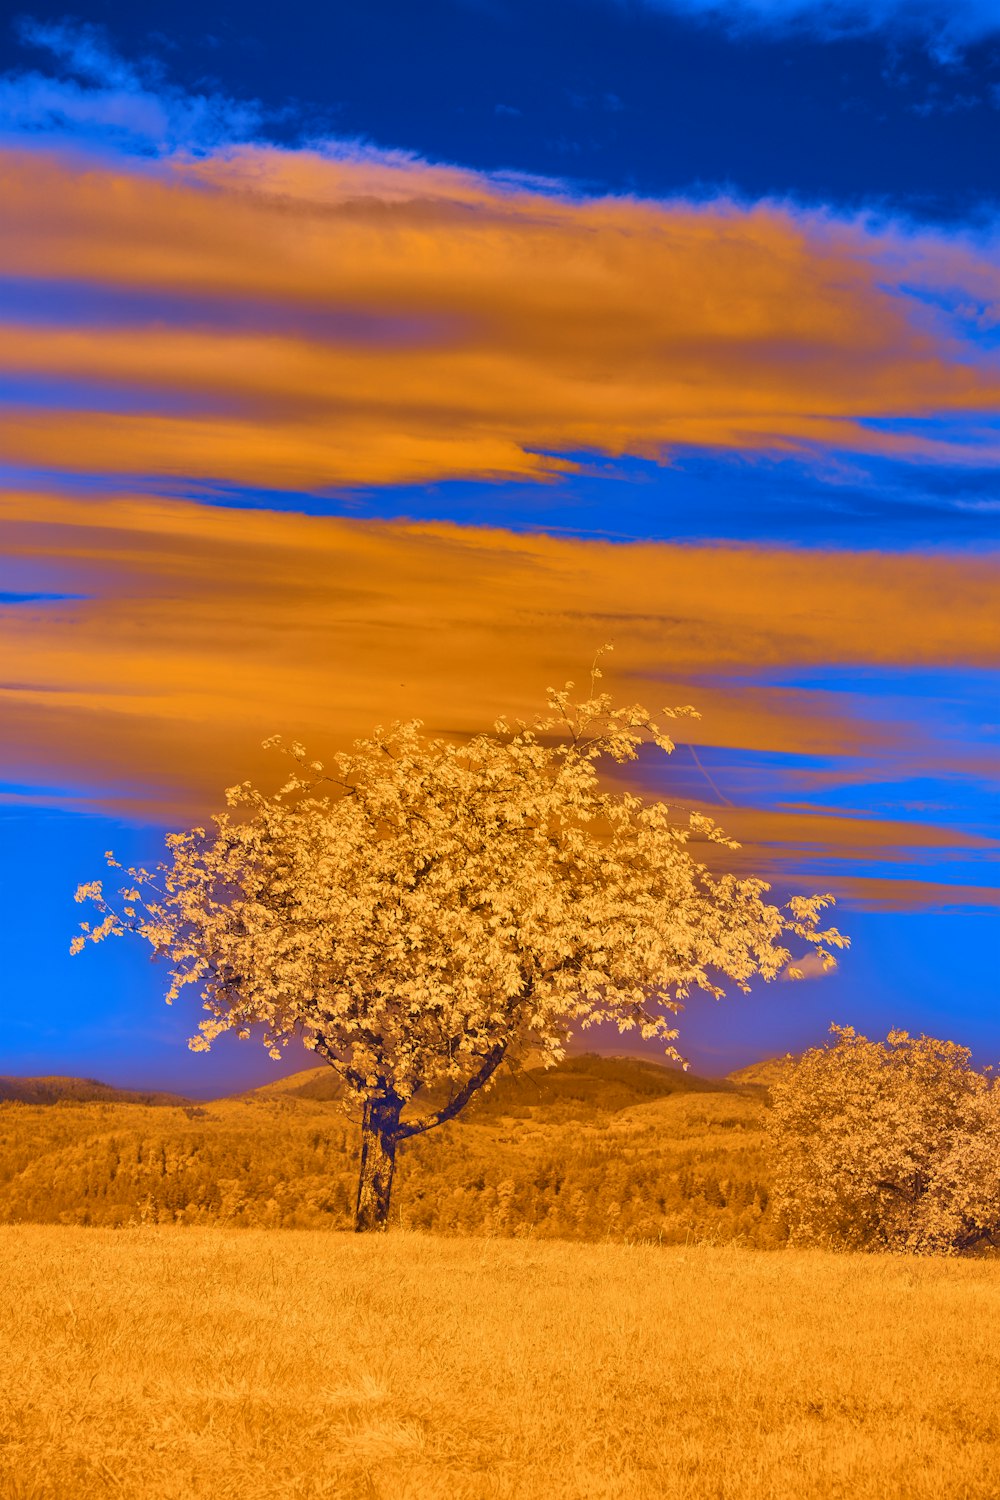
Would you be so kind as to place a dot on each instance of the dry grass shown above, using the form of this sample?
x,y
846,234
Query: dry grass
x,y
168,1363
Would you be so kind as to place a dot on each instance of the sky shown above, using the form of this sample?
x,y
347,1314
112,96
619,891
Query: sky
x,y
384,361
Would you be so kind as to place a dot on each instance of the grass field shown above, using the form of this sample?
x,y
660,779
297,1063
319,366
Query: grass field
x,y
164,1362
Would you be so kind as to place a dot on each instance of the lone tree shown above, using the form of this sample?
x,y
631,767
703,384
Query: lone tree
x,y
890,1145
422,910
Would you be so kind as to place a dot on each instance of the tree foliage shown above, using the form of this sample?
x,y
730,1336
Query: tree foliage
x,y
423,909
888,1145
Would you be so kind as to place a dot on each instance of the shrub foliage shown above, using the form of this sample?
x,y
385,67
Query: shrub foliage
x,y
888,1145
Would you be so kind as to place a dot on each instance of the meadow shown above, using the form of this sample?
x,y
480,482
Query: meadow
x,y
277,1365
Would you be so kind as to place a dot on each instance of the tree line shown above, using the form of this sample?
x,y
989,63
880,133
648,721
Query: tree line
x,y
688,1167
857,1145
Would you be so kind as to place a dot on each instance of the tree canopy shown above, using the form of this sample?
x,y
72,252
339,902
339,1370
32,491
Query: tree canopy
x,y
421,909
888,1145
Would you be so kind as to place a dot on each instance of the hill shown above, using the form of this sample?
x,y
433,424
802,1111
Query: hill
x,y
597,1148
587,1082
582,1082
60,1090
577,1086
312,1083
763,1074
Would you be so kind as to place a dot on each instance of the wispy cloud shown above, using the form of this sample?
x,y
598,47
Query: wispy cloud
x,y
811,966
96,95
944,26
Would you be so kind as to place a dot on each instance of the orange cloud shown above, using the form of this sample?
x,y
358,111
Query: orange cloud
x,y
905,895
204,630
505,322
843,835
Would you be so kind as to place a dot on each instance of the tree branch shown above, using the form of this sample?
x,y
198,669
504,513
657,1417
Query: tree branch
x,y
349,1074
893,1187
490,1063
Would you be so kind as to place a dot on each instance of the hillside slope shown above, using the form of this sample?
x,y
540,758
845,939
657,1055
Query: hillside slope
x,y
596,1148
57,1089
579,1085
763,1074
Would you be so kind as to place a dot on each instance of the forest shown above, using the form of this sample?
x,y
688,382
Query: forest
x,y
596,1148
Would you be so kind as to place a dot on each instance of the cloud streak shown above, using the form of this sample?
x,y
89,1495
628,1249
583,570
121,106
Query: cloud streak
x,y
203,630
945,26
498,327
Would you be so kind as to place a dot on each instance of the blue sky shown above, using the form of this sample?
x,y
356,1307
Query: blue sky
x,y
387,359
891,105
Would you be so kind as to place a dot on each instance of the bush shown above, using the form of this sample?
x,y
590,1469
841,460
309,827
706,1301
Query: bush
x,y
888,1145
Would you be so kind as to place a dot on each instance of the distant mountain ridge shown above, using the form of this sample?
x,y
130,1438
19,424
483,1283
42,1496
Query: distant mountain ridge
x,y
577,1086
581,1081
57,1089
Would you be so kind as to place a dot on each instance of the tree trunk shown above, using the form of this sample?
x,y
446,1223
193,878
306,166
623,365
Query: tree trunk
x,y
379,1136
